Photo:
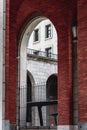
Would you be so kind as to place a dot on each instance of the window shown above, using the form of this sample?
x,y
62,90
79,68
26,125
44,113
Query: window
x,y
36,35
48,31
48,52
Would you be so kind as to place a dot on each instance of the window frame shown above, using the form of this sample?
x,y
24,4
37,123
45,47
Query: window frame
x,y
47,35
48,54
34,36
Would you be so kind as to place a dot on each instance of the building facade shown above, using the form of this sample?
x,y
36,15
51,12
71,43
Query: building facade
x,y
16,26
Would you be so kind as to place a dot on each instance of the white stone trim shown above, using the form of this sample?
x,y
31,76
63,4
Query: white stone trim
x,y
67,127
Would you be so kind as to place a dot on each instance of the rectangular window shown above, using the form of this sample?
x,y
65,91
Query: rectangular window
x,y
36,35
48,52
48,31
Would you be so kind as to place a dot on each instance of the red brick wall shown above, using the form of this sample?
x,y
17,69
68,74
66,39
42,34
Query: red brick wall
x,y
82,59
64,79
61,13
11,65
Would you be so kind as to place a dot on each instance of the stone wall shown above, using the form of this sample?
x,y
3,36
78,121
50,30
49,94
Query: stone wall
x,y
42,69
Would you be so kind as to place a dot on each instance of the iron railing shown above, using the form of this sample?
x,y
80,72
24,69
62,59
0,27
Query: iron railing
x,y
28,110
41,54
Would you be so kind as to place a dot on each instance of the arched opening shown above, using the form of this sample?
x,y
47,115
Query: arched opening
x,y
31,93
52,94
63,23
52,87
29,99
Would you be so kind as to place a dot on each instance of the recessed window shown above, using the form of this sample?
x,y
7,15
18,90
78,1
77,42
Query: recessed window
x,y
36,35
48,51
48,31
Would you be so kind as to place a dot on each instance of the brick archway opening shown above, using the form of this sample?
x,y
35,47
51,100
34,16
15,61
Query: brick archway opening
x,y
63,18
22,71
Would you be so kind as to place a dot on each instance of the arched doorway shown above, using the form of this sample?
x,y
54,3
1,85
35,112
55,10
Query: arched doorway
x,y
52,87
62,23
52,94
23,71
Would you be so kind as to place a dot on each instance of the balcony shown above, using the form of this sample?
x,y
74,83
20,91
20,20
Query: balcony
x,y
41,54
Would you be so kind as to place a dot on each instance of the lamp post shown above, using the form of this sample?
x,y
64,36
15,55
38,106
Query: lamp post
x,y
74,31
74,73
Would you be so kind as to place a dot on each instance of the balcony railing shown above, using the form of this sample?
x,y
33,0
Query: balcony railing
x,y
38,53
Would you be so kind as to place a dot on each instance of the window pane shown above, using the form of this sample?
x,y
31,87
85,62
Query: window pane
x,y
36,35
48,52
48,31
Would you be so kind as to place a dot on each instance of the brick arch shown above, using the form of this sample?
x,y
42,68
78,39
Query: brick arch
x,y
46,9
62,20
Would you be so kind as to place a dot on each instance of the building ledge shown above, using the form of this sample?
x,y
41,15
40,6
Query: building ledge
x,y
39,55
40,58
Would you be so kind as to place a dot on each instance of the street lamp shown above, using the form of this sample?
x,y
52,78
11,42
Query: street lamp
x,y
75,72
74,31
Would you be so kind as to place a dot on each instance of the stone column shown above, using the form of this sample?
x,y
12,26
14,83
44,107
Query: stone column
x,y
1,59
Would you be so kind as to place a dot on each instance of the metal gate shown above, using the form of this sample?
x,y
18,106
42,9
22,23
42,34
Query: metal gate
x,y
33,107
